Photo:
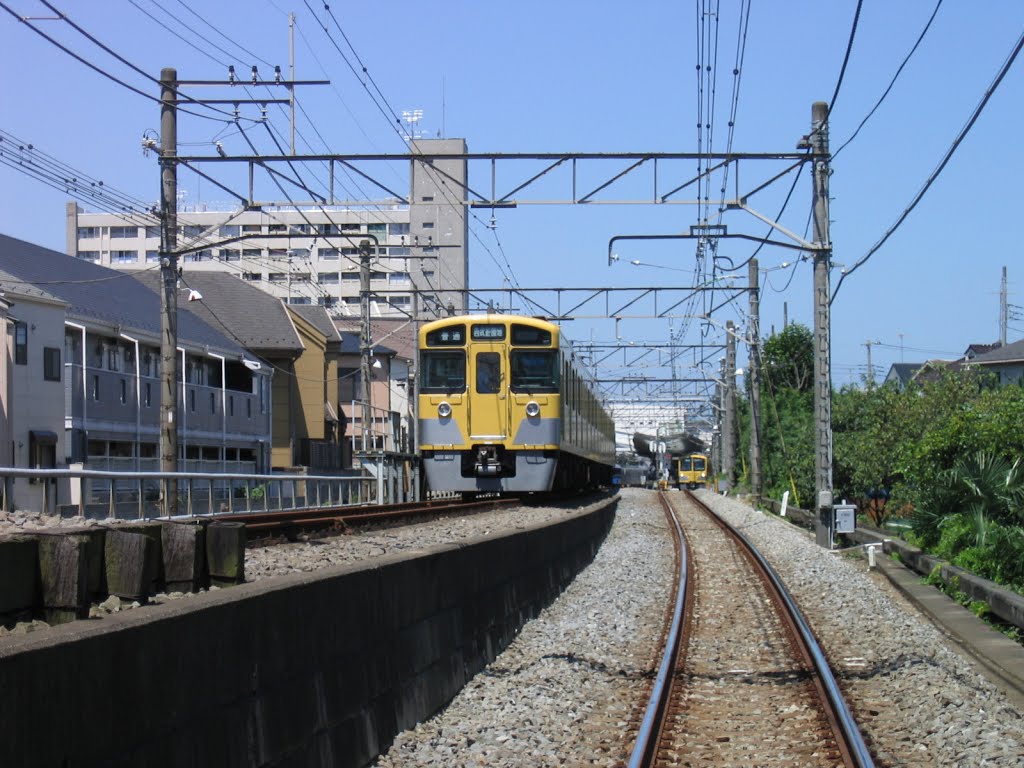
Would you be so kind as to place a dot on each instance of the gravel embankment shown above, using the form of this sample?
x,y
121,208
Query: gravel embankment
x,y
918,700
564,692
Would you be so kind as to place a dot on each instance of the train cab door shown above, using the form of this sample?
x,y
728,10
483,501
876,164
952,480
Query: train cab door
x,y
488,410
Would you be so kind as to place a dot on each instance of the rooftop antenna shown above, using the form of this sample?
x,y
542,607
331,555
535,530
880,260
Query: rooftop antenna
x,y
412,116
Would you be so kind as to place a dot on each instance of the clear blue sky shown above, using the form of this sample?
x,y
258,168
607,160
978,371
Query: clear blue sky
x,y
600,77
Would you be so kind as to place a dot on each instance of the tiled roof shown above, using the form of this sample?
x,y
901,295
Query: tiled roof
x,y
399,335
1010,353
254,318
318,317
97,293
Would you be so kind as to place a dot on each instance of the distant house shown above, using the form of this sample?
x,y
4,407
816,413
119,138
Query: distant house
x,y
84,381
1006,362
901,374
393,383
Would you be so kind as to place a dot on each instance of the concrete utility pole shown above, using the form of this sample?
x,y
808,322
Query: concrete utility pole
x,y
729,420
365,344
822,327
871,368
754,380
1004,310
169,282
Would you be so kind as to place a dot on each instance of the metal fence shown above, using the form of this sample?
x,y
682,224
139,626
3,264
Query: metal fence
x,y
124,494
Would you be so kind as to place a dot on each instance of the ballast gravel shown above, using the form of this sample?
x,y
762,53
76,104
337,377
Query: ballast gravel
x,y
918,700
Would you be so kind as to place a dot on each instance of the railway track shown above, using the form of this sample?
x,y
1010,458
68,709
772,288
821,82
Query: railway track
x,y
742,682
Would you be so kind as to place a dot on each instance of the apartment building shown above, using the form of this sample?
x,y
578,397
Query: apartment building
x,y
82,382
310,255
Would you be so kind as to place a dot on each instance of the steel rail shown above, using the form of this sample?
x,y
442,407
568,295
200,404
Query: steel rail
x,y
650,727
844,726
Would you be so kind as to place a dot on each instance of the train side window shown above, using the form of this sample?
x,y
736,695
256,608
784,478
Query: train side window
x,y
488,373
443,371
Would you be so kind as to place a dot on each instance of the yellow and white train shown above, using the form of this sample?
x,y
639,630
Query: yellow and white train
x,y
505,407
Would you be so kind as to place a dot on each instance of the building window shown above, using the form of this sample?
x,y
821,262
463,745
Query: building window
x,y
350,227
149,395
21,343
123,232
199,256
398,229
193,230
376,229
327,278
328,301
152,255
328,253
350,276
152,232
51,363
300,300
89,255
400,301
399,251
280,254
124,257
229,254
95,387
252,276
276,228
427,199
192,400
251,228
428,225
229,230
124,391
252,253
213,403
277,277
87,233
400,277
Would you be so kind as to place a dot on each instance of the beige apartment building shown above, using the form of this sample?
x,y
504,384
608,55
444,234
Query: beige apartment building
x,y
310,254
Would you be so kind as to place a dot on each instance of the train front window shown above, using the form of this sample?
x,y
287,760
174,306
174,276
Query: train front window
x,y
699,464
534,370
686,466
488,373
443,371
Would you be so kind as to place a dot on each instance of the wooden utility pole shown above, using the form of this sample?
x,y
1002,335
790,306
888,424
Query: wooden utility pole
x,y
822,327
754,381
169,283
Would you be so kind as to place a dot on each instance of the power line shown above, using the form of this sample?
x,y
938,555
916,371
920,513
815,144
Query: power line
x,y
846,59
891,82
935,174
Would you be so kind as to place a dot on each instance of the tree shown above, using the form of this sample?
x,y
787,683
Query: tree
x,y
788,358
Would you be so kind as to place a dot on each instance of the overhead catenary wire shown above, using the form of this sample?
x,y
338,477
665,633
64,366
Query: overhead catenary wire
x,y
892,82
938,170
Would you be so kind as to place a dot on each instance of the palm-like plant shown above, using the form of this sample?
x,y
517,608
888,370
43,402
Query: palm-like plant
x,y
986,488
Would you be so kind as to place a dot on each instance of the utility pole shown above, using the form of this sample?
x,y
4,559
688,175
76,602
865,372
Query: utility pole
x,y
754,380
729,421
365,347
871,368
1004,310
823,531
169,282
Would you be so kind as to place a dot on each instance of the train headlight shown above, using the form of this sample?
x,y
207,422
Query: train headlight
x,y
532,409
444,410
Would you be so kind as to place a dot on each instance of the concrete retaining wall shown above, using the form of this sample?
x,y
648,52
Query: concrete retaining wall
x,y
317,669
1004,603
